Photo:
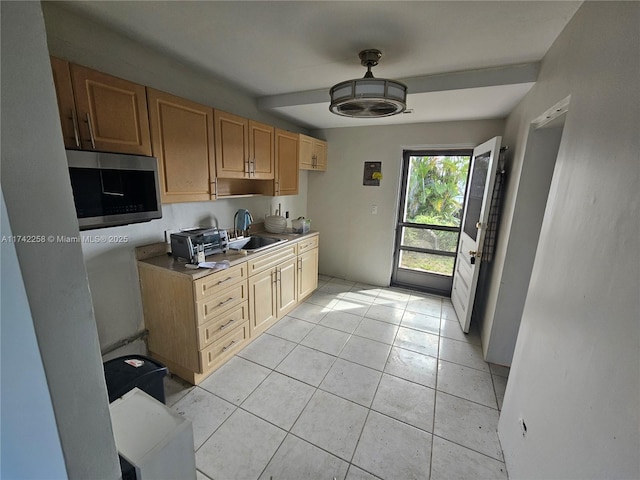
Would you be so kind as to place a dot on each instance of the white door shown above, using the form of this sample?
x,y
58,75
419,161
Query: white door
x,y
474,221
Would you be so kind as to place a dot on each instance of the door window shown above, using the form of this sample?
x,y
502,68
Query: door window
x,y
431,206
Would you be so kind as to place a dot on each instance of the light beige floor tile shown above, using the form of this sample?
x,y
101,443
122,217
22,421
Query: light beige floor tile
x,y
356,473
267,350
393,450
299,460
349,305
334,288
174,389
500,386
412,366
375,330
201,476
383,313
235,380
352,382
405,401
448,312
362,297
316,307
325,339
341,320
417,341
467,423
452,461
206,412
240,449
452,329
290,328
426,306
499,370
420,321
465,382
462,353
331,423
364,351
279,400
307,365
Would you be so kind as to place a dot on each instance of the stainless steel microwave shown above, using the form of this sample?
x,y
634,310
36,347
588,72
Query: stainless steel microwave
x,y
111,189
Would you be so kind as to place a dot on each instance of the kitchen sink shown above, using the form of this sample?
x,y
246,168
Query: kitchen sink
x,y
255,243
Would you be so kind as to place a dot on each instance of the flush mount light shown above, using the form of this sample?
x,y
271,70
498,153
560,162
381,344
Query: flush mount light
x,y
368,97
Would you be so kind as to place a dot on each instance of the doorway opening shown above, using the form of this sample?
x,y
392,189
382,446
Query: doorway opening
x,y
430,210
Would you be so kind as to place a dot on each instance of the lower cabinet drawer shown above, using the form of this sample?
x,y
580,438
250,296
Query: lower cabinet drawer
x,y
224,347
222,324
209,308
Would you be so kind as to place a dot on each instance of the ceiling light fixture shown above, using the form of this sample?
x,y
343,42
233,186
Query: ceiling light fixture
x,y
368,97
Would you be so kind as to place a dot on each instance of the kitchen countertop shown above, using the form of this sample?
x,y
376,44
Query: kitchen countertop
x,y
166,262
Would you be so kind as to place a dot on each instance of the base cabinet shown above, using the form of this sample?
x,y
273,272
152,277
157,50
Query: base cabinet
x,y
195,326
307,273
272,294
262,297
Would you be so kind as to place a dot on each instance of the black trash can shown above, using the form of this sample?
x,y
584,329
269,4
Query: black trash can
x,y
123,374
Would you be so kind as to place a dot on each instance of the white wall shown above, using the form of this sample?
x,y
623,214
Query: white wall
x,y
27,413
111,267
37,192
574,377
360,246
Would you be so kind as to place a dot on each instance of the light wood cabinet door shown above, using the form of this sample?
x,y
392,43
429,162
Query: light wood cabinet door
x,y
307,273
262,301
232,145
312,153
66,105
112,112
305,148
287,287
182,140
261,151
320,149
286,181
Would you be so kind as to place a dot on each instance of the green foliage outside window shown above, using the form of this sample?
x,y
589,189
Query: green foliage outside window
x,y
435,196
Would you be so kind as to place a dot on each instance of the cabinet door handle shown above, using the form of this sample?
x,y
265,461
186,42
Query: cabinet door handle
x,y
222,327
277,187
215,188
93,141
226,301
76,133
224,349
225,280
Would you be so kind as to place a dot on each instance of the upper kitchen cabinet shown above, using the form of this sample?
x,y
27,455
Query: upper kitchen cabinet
x,y
286,181
261,151
111,112
313,153
244,148
182,140
66,105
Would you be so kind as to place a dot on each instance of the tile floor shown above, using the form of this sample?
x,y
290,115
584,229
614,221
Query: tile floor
x,y
358,382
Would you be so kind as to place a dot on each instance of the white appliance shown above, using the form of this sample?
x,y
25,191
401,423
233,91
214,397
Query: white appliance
x,y
153,438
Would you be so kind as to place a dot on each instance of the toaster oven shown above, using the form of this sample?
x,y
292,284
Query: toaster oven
x,y
187,243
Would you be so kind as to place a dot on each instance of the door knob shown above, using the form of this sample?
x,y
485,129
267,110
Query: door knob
x,y
474,254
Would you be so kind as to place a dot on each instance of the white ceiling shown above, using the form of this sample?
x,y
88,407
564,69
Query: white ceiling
x,y
288,54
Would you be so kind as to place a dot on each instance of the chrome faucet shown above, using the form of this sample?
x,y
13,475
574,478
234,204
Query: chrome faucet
x,y
242,220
